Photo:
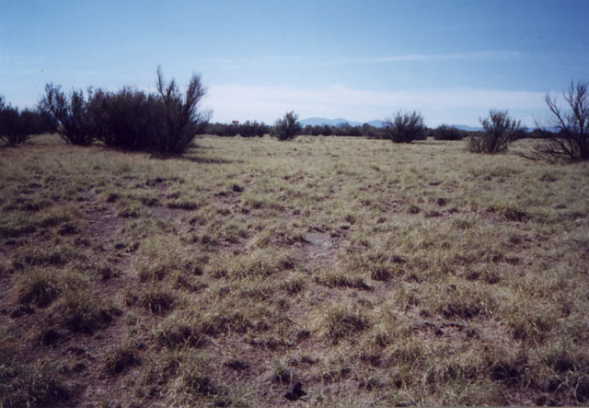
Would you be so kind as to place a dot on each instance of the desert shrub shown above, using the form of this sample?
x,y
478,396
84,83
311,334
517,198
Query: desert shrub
x,y
571,136
127,119
499,131
17,126
445,132
165,122
12,131
406,127
287,128
180,119
75,122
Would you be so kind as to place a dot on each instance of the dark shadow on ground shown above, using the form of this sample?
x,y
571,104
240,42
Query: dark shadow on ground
x,y
207,160
432,142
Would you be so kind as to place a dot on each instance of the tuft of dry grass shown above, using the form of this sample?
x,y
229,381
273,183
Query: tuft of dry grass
x,y
39,288
341,323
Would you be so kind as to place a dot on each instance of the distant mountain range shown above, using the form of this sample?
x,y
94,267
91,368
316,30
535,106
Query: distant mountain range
x,y
329,122
468,128
316,121
338,122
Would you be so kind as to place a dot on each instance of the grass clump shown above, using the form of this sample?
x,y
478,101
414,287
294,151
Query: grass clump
x,y
343,323
186,205
461,301
23,385
293,286
43,257
256,265
219,323
121,360
81,313
179,331
566,372
40,289
158,301
343,280
530,322
195,384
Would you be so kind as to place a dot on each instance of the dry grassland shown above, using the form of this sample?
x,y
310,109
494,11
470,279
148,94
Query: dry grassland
x,y
324,272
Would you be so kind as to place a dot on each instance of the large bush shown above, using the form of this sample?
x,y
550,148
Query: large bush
x,y
128,119
406,127
165,122
287,127
75,122
499,131
17,126
181,119
570,135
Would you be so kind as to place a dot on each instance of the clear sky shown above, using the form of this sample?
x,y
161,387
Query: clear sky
x,y
453,60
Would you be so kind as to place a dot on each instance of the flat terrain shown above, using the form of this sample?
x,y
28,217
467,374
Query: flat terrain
x,y
328,272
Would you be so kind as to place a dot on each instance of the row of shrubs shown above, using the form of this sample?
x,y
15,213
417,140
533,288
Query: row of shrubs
x,y
407,127
165,122
245,129
259,129
499,130
568,139
131,119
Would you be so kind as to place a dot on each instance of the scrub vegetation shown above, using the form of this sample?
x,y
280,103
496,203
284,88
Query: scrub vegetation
x,y
322,272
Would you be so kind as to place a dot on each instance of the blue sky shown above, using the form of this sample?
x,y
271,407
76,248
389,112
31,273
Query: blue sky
x,y
453,60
